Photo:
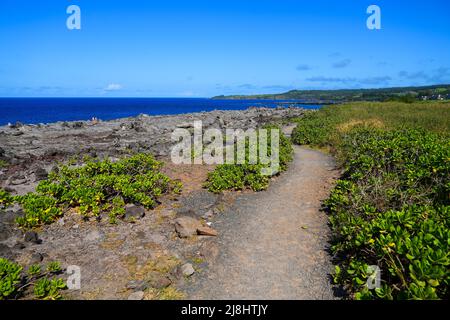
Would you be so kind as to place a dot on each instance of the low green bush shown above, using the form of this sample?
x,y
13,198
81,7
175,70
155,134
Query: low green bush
x,y
46,289
38,209
391,207
10,278
237,177
34,270
5,199
246,175
14,282
312,129
94,188
410,246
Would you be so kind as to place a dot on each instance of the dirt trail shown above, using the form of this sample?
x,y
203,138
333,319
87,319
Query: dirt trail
x,y
272,244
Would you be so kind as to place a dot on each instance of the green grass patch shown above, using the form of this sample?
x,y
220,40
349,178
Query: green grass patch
x,y
391,207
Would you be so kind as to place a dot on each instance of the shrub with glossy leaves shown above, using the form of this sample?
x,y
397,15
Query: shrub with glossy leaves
x,y
46,289
14,282
391,207
5,199
96,187
10,276
246,175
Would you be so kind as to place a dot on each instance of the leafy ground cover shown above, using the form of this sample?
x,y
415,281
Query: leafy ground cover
x,y
246,175
95,188
45,284
391,207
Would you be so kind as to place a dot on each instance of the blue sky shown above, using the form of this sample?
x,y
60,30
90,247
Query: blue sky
x,y
203,48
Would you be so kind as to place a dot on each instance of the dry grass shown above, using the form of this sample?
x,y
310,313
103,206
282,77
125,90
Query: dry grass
x,y
347,126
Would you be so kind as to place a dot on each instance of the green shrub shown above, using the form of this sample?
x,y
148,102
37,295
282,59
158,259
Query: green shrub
x,y
410,246
241,176
94,188
38,209
391,207
34,270
10,277
54,267
14,282
237,177
412,165
312,129
5,199
46,289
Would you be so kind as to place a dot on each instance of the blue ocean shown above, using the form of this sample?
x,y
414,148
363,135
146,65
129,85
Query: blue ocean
x,y
48,110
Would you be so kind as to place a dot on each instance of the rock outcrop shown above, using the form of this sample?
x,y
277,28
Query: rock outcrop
x,y
141,133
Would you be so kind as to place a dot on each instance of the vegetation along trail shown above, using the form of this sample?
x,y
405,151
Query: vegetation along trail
x,y
273,244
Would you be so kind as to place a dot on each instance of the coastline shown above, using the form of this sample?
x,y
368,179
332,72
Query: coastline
x,y
50,110
30,149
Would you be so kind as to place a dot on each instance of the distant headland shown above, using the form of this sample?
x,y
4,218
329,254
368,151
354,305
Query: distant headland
x,y
405,94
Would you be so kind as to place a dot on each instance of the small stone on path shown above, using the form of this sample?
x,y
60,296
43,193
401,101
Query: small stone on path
x,y
187,270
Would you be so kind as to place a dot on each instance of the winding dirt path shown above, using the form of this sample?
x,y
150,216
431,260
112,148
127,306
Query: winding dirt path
x,y
272,244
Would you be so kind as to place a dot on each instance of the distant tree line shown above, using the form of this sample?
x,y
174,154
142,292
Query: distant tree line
x,y
402,94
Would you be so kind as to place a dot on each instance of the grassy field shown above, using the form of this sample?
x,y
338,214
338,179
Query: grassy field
x,y
391,207
430,116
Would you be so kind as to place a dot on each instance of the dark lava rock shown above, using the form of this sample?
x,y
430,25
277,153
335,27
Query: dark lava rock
x,y
52,152
137,285
133,212
5,251
160,282
9,217
36,258
17,133
9,189
18,180
31,236
40,174
187,212
7,223
198,203
16,125
78,125
208,214
4,232
19,246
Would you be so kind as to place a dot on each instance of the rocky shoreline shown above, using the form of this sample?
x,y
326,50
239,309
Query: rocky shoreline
x,y
32,149
147,259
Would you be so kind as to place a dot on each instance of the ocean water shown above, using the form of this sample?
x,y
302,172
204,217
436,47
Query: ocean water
x,y
48,110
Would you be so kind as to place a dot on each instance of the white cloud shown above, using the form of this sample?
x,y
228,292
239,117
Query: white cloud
x,y
113,87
